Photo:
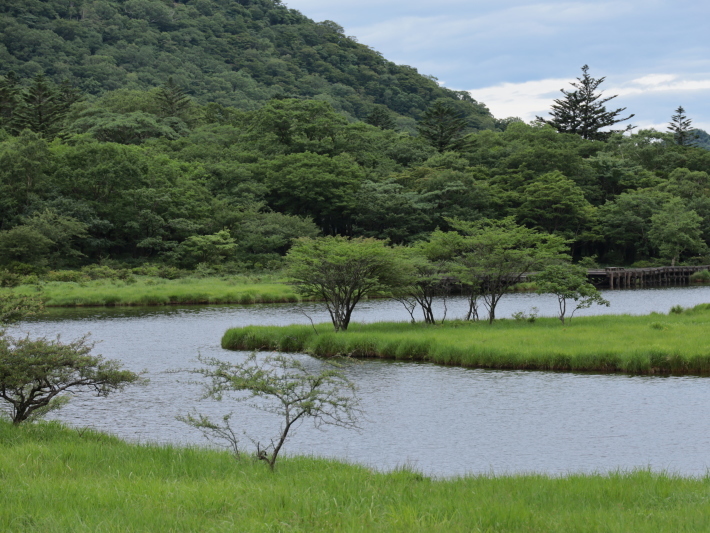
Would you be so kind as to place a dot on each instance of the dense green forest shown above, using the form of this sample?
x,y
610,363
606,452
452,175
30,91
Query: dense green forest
x,y
212,133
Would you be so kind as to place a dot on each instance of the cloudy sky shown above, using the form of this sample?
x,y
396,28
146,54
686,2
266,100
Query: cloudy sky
x,y
515,55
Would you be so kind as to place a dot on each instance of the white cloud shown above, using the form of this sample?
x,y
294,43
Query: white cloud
x,y
524,100
531,98
661,83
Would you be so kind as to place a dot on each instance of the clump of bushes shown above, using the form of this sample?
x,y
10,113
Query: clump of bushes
x,y
700,277
66,276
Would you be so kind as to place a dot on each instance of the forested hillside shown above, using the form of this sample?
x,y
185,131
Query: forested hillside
x,y
210,134
238,53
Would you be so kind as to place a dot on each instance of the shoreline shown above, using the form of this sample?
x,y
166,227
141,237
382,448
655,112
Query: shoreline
x,y
113,485
655,344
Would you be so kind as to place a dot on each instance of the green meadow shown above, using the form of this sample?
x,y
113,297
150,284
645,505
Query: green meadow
x,y
58,479
678,343
144,290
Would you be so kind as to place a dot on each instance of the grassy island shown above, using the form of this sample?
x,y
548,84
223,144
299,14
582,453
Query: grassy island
x,y
145,290
58,479
678,343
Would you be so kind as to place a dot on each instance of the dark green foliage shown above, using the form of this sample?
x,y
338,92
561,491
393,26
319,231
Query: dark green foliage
x,y
217,132
680,127
443,126
42,108
35,374
238,54
583,112
381,118
172,100
702,139
9,99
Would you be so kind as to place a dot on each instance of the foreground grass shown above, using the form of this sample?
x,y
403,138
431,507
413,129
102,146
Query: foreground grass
x,y
157,291
677,343
56,479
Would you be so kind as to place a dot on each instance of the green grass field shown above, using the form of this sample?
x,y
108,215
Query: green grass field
x,y
675,343
56,479
158,291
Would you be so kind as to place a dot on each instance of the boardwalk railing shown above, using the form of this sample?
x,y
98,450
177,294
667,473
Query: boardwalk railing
x,y
628,278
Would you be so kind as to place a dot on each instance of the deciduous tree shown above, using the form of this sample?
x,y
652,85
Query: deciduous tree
x,y
35,374
281,385
568,282
342,271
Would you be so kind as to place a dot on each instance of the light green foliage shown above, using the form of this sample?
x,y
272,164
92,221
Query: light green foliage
x,y
129,128
145,290
210,249
167,488
35,374
23,163
64,232
269,235
316,186
271,120
428,280
555,204
568,282
608,343
494,255
15,307
286,387
23,244
676,230
626,221
342,271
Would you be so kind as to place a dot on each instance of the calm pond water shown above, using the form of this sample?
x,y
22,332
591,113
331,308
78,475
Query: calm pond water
x,y
441,421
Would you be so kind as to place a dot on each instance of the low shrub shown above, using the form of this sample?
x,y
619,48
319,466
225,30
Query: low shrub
x,y
700,277
66,276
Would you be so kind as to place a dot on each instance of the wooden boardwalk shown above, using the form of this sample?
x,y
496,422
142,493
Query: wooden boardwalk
x,y
629,278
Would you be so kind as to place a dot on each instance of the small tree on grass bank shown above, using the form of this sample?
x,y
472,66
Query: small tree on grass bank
x,y
427,281
34,373
281,385
568,282
492,256
14,308
342,271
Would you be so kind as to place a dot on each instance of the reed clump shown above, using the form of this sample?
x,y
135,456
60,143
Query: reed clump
x,y
677,343
152,291
58,479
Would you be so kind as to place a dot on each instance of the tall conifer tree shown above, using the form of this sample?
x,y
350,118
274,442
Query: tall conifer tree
x,y
680,127
172,100
583,112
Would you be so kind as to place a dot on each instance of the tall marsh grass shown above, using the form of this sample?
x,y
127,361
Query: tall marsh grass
x,y
678,343
56,479
145,290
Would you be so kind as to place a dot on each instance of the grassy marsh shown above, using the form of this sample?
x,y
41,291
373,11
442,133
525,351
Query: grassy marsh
x,y
144,290
57,479
678,343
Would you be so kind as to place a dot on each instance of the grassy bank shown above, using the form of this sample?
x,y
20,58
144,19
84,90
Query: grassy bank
x,y
56,479
144,290
675,343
